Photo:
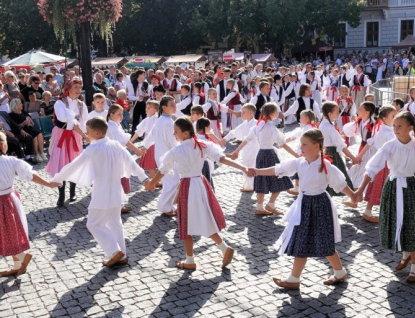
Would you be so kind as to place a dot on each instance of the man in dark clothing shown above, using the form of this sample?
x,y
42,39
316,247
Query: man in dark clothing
x,y
33,88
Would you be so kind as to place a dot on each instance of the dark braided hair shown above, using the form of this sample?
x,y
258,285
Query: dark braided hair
x,y
328,108
185,125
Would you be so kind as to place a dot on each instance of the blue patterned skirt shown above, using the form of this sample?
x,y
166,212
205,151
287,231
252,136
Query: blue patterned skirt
x,y
265,184
314,237
339,163
206,173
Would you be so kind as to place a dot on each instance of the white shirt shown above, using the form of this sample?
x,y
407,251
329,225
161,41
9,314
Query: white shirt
x,y
102,114
266,134
254,100
275,94
162,136
139,94
186,101
382,136
294,107
343,105
145,126
115,132
122,84
68,114
366,81
9,167
102,164
331,136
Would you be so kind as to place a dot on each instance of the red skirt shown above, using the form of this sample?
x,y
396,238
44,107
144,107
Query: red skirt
x,y
148,161
374,189
182,205
13,239
125,182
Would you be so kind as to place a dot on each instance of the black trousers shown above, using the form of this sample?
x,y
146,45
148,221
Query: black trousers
x,y
139,111
27,142
14,146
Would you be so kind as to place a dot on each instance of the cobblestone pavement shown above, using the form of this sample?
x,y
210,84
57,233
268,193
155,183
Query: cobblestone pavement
x,y
66,278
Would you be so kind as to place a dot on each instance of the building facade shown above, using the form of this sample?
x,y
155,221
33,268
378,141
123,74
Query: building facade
x,y
383,24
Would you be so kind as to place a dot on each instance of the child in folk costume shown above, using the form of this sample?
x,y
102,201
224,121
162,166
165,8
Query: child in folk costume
x,y
297,85
148,161
278,96
304,102
334,143
116,132
289,91
410,106
198,94
397,206
234,102
363,126
315,87
312,223
347,110
99,104
70,117
162,137
398,104
102,165
334,85
250,152
213,111
382,133
198,210
266,134
358,85
185,103
307,122
14,237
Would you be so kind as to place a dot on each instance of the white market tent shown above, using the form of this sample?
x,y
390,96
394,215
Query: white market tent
x,y
35,57
188,58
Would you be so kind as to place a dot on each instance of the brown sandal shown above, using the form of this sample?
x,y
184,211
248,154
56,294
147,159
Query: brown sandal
x,y
11,272
227,258
403,264
284,284
170,214
350,204
273,210
159,185
410,278
26,261
246,191
333,280
262,213
183,265
114,260
371,219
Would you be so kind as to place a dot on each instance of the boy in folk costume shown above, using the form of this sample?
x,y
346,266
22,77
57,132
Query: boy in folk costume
x,y
70,117
14,236
358,85
99,104
278,95
262,98
162,137
250,152
213,111
104,216
234,102
303,102
333,89
185,100
347,110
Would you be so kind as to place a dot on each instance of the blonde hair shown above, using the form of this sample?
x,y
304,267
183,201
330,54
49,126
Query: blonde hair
x,y
3,140
98,96
9,74
121,92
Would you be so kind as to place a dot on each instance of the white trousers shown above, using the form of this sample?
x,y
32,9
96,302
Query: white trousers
x,y
236,121
106,227
215,129
168,192
248,160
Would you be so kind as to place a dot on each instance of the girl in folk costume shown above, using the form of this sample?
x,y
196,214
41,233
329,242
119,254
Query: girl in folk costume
x,y
334,143
347,110
116,132
171,85
14,237
198,210
315,87
411,103
397,206
250,152
162,137
199,97
139,94
334,85
363,126
289,91
312,223
307,122
234,102
148,161
212,110
358,85
266,135
382,133
70,117
302,103
297,85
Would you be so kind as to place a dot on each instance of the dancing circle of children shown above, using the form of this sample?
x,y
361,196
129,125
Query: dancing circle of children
x,y
104,215
266,134
397,206
250,152
382,133
13,220
312,223
334,143
198,211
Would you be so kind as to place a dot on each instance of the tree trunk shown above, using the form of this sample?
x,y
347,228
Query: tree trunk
x,y
85,61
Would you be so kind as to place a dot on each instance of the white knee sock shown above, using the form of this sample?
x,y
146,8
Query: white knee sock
x,y
190,259
17,264
406,255
223,247
340,273
295,188
21,256
292,279
368,212
271,205
260,206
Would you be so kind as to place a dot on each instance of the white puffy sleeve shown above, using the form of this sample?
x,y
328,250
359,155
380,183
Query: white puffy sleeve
x,y
23,169
378,161
278,137
213,151
167,162
350,129
114,133
142,127
66,115
287,168
252,134
335,177
237,133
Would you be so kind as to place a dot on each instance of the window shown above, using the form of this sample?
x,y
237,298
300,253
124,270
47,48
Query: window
x,y
372,34
407,27
340,41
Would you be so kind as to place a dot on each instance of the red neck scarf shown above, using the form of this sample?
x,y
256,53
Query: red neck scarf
x,y
199,144
329,158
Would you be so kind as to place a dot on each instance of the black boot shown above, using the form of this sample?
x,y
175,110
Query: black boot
x,y
61,199
72,194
